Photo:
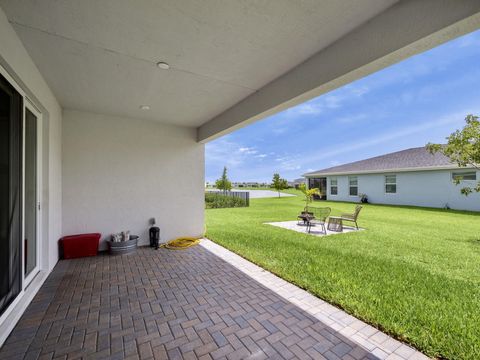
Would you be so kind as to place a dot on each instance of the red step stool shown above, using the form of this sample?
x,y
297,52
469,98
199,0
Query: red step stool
x,y
81,245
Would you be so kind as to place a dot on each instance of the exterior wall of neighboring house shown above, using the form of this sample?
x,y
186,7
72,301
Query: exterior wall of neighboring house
x,y
19,69
118,173
418,188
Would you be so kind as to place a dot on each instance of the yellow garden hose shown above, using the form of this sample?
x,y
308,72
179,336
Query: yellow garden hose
x,y
183,242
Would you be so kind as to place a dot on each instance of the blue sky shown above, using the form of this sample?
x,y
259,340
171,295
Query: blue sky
x,y
421,99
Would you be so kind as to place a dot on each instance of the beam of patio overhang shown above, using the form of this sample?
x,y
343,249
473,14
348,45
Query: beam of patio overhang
x,y
405,29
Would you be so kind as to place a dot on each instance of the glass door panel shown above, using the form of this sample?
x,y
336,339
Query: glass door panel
x,y
31,202
10,193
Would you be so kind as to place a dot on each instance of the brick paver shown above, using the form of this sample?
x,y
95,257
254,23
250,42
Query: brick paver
x,y
204,302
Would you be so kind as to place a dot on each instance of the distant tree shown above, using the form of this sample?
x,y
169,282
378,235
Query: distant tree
x,y
463,148
278,183
223,183
308,193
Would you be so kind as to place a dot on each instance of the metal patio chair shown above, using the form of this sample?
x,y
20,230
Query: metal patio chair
x,y
352,217
320,217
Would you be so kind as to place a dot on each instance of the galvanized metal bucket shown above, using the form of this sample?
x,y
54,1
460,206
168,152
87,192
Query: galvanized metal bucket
x,y
123,247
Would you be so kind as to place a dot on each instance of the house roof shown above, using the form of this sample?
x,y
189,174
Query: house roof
x,y
406,160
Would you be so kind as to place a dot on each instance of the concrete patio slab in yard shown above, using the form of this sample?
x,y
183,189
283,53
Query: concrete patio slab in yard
x,y
316,230
205,302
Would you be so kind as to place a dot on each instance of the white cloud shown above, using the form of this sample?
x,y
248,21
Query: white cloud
x,y
290,167
223,152
248,150
287,163
333,101
359,90
351,118
307,109
330,101
389,136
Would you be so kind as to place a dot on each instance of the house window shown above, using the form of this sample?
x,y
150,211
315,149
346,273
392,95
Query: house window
x,y
461,176
391,184
353,185
333,186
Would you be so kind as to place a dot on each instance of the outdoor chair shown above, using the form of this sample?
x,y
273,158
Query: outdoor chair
x,y
320,216
352,217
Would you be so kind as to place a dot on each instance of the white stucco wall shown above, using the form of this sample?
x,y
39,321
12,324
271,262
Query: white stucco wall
x,y
422,188
118,173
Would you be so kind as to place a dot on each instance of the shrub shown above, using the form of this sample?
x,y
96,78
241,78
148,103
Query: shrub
x,y
217,200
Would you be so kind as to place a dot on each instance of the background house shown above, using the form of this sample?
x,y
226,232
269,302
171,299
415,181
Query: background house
x,y
296,182
408,177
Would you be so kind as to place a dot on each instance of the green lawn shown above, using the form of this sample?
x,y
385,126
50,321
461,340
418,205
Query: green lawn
x,y
414,272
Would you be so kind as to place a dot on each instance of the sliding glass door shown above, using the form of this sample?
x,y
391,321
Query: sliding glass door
x,y
20,140
11,119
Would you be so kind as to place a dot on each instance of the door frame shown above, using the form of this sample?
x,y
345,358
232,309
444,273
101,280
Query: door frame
x,y
38,203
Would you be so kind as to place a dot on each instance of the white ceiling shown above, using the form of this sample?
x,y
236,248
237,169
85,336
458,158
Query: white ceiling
x,y
100,56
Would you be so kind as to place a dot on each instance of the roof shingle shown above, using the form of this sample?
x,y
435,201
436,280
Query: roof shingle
x,y
405,159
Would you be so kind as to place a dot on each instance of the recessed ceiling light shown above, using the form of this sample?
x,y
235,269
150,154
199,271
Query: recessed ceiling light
x,y
144,107
163,65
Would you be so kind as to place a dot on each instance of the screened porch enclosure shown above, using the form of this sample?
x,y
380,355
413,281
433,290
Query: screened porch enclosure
x,y
319,183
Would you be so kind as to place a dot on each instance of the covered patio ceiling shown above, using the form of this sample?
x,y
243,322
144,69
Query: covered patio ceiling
x,y
231,62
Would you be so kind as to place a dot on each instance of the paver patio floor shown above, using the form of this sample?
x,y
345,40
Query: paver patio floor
x,y
204,302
